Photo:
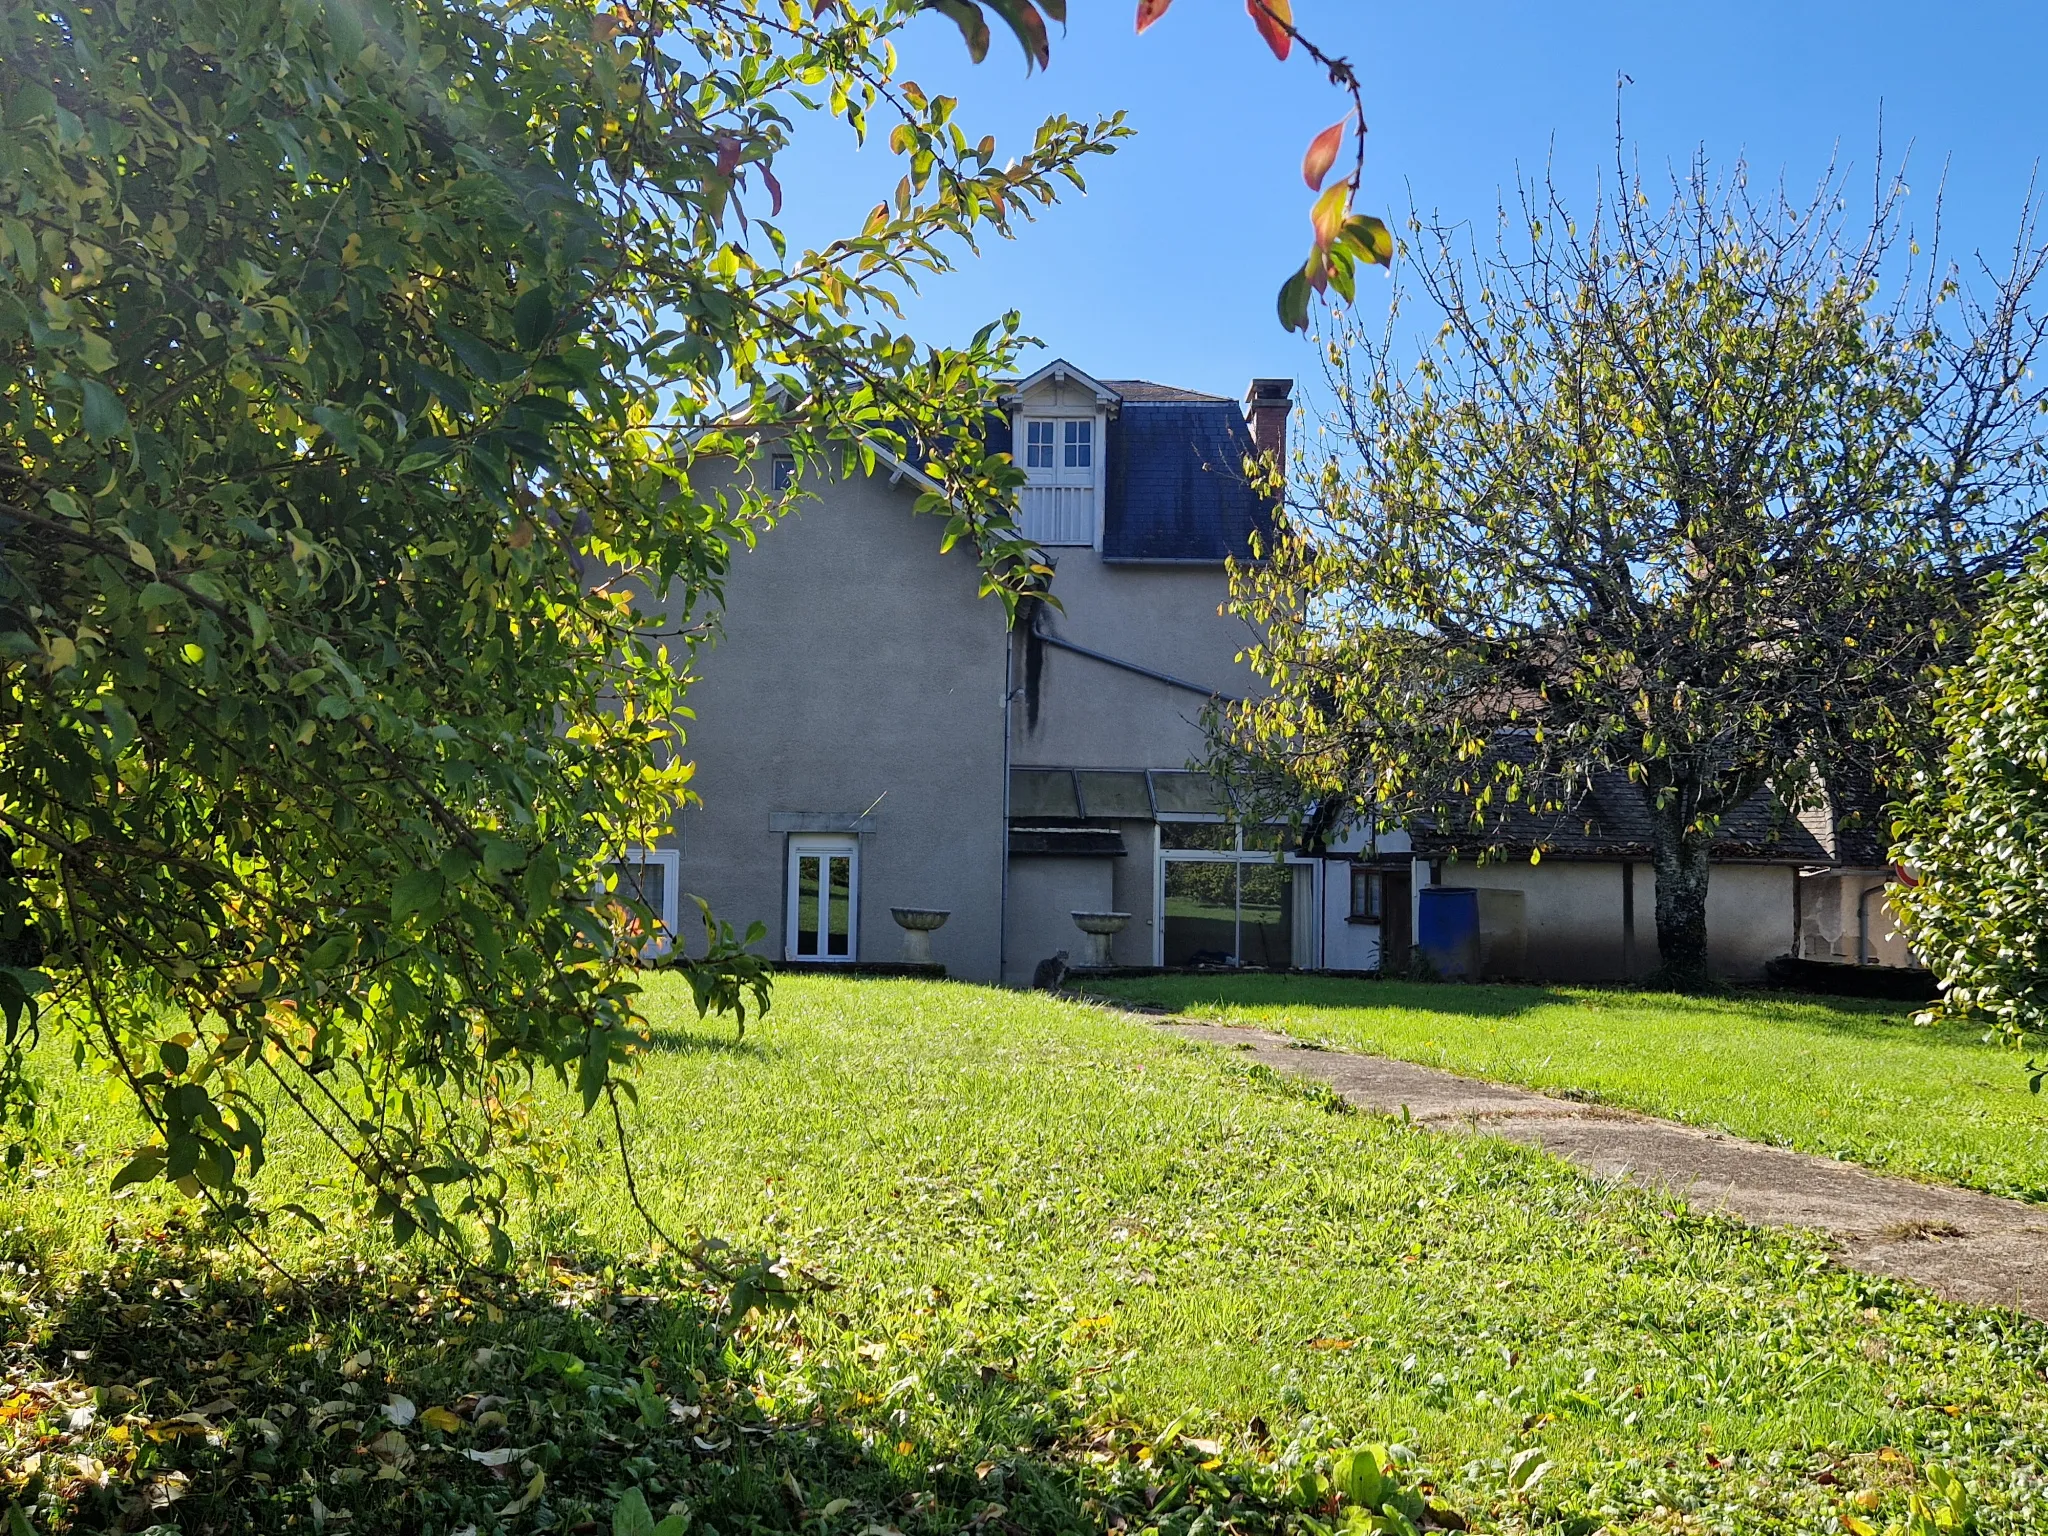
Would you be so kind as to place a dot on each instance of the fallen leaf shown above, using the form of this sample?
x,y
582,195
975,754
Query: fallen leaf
x,y
400,1410
505,1455
528,1499
441,1419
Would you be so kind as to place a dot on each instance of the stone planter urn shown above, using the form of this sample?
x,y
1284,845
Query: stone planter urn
x,y
1100,927
918,924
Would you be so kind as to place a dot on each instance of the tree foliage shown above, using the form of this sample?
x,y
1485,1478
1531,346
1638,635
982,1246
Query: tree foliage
x,y
355,359
1677,489
1974,833
1342,237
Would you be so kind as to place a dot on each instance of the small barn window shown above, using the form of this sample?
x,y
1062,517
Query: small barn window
x,y
1367,895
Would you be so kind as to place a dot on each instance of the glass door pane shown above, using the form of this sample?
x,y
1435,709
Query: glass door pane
x,y
1201,912
823,912
807,906
1266,915
839,916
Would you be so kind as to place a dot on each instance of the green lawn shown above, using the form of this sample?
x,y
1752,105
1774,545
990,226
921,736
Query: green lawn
x,y
1847,1079
1087,1278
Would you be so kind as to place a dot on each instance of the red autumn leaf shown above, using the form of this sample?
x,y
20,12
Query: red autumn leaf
x,y
774,191
728,154
604,28
1322,154
1150,11
1273,18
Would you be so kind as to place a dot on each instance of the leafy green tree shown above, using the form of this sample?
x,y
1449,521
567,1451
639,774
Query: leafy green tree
x,y
1675,490
1973,836
355,361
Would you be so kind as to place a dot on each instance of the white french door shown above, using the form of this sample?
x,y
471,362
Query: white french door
x,y
823,919
1059,470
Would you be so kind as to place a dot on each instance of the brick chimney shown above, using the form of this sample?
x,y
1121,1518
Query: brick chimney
x,y
1266,407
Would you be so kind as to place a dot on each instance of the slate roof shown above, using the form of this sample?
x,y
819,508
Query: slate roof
x,y
1608,820
1177,488
1145,392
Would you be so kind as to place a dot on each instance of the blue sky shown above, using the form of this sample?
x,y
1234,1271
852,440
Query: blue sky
x,y
1168,267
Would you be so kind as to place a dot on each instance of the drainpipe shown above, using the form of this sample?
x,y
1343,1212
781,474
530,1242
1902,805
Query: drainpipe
x,y
1863,924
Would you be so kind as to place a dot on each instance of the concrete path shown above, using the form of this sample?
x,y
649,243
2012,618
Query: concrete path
x,y
1959,1244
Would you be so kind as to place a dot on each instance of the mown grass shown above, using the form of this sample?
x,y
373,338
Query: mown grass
x,y
1085,1278
1854,1080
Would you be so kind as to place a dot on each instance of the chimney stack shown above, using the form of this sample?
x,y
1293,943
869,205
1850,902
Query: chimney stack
x,y
1267,405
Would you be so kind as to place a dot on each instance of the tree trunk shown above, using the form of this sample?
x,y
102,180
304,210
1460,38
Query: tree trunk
x,y
1680,859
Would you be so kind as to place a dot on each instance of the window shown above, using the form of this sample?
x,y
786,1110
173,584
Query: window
x,y
1198,836
1225,901
785,471
640,893
1368,894
823,917
1059,491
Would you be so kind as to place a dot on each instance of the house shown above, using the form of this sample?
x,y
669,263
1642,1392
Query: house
x,y
871,737
1843,915
879,750
1570,895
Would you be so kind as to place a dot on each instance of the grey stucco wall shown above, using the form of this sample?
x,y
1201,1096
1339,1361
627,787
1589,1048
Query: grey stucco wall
x,y
855,667
1159,616
1044,895
1574,916
1749,918
1135,892
1090,714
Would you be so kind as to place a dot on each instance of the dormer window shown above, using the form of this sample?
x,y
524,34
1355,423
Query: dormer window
x,y
1059,503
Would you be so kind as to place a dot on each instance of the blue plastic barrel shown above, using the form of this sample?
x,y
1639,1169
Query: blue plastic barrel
x,y
1447,930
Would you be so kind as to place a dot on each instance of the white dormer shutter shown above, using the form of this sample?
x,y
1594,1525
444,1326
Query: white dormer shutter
x,y
1060,454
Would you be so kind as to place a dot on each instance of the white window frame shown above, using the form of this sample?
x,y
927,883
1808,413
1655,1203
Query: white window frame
x,y
821,845
671,861
1238,855
1051,445
1057,474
